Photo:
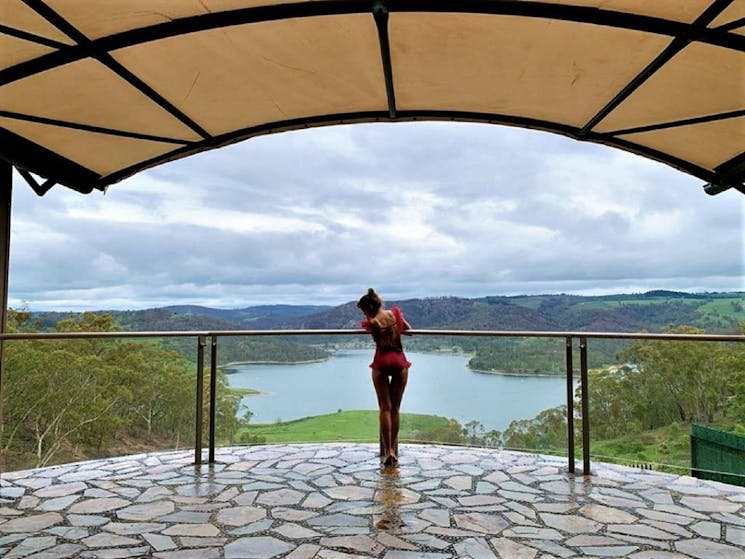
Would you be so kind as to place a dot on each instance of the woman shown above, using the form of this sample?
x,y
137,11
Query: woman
x,y
390,369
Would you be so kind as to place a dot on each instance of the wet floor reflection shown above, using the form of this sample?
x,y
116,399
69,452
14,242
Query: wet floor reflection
x,y
390,497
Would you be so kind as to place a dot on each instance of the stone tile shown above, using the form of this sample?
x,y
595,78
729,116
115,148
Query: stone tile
x,y
552,547
682,511
735,535
395,554
259,547
304,551
58,504
159,542
438,516
480,522
61,490
109,540
129,528
570,523
391,541
202,530
709,504
62,551
153,494
508,548
665,516
292,531
240,516
585,540
199,553
480,500
533,533
610,551
31,545
475,548
333,501
707,529
359,543
293,515
68,533
185,517
727,518
339,519
97,506
281,497
658,555
188,541
705,549
639,530
145,512
87,519
601,513
31,523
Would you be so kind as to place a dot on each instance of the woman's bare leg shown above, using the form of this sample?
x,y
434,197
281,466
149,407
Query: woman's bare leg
x,y
382,390
396,394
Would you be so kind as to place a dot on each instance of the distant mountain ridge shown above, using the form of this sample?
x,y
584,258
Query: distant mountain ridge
x,y
651,311
261,317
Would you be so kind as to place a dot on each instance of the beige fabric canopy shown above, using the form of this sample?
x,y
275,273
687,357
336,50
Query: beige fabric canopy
x,y
93,92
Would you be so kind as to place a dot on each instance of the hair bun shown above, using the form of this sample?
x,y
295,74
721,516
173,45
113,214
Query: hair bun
x,y
371,291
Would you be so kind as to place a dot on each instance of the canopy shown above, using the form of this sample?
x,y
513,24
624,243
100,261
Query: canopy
x,y
94,92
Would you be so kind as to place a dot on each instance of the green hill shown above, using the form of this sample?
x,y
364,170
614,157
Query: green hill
x,y
653,311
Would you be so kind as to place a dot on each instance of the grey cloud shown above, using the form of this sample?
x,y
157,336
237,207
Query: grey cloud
x,y
491,187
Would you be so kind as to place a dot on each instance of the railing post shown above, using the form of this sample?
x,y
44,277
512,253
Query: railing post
x,y
585,406
213,398
570,404
200,401
6,195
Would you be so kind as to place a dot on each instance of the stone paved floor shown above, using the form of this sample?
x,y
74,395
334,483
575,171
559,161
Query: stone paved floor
x,y
333,501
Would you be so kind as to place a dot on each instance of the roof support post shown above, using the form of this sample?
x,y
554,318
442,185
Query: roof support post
x,y
380,13
6,191
585,406
199,406
570,403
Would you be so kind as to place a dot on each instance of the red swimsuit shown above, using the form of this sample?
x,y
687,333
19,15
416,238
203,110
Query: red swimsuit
x,y
389,352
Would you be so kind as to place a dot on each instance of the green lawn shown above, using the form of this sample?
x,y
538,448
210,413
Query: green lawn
x,y
670,445
357,425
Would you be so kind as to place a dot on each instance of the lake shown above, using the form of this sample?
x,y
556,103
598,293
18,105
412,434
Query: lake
x,y
439,384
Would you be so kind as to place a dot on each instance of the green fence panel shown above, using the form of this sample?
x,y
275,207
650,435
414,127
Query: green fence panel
x,y
717,454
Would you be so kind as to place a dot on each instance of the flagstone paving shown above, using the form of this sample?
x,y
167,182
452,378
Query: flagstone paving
x,y
334,501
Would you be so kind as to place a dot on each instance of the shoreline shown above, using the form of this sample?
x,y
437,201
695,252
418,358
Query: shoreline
x,y
464,354
306,362
512,374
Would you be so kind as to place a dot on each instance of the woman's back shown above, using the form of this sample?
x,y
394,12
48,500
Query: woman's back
x,y
385,331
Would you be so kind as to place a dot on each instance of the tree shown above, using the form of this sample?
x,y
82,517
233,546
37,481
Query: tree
x,y
76,398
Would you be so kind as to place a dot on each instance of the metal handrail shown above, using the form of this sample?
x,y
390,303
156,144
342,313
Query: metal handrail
x,y
213,335
346,331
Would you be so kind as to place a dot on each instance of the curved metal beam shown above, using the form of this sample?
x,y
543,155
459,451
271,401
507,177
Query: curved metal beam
x,y
411,116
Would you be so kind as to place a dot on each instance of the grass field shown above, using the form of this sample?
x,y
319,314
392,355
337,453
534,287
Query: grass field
x,y
670,445
352,426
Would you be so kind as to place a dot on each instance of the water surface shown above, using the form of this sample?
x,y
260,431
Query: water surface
x,y
440,384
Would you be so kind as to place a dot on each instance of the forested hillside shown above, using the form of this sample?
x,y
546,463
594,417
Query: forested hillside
x,y
230,350
263,317
652,312
648,312
66,400
645,312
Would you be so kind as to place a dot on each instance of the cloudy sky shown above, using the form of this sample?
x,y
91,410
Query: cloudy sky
x,y
414,210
